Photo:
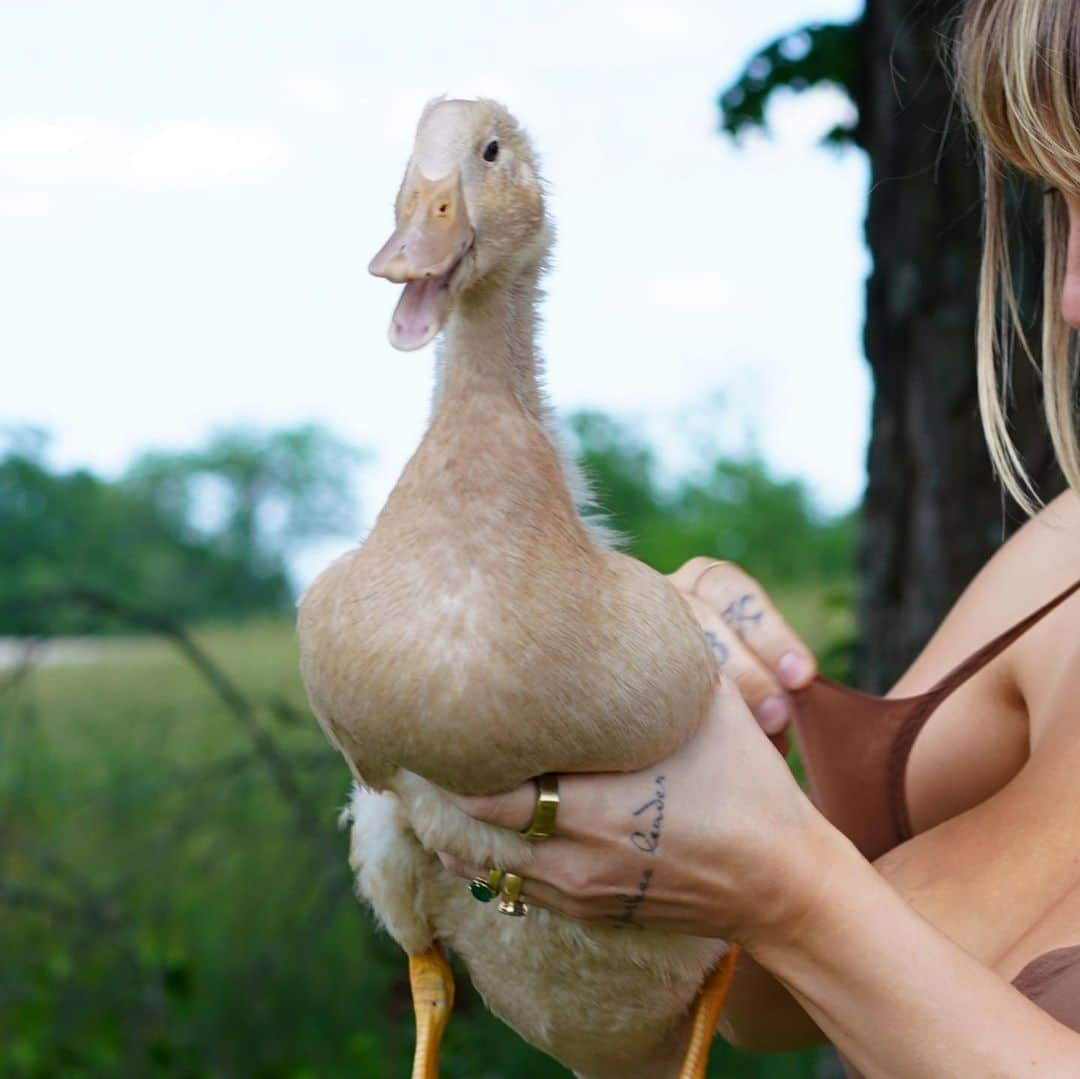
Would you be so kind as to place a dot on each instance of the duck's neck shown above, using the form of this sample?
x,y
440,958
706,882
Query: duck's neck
x,y
490,345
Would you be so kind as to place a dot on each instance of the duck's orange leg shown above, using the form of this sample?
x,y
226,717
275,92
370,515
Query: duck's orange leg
x,y
432,986
710,1003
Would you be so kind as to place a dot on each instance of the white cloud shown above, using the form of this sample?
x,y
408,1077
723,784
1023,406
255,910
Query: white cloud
x,y
42,138
803,119
202,155
656,23
167,156
315,92
50,151
24,204
692,291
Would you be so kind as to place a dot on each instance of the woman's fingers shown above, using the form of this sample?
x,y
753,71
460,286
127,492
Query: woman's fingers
x,y
579,810
511,809
743,606
757,684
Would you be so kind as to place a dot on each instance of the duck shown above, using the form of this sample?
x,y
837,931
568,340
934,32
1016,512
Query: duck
x,y
488,630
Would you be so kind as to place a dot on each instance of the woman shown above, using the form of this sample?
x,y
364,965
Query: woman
x,y
905,964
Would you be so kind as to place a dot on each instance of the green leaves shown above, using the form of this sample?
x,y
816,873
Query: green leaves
x,y
815,55
268,490
726,506
202,533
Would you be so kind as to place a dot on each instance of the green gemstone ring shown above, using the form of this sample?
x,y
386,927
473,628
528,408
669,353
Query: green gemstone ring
x,y
484,890
481,890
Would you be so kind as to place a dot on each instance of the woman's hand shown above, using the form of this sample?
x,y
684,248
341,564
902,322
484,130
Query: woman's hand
x,y
711,841
751,641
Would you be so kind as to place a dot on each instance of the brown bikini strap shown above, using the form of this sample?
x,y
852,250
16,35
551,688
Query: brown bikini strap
x,y
975,662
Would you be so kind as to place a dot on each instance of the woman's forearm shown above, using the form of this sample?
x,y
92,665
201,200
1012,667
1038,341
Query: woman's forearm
x,y
761,1014
896,996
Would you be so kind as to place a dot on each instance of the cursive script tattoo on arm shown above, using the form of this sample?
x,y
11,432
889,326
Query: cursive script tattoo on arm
x,y
740,615
650,840
647,840
630,903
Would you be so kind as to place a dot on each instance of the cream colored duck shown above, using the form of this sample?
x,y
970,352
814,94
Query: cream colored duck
x,y
484,634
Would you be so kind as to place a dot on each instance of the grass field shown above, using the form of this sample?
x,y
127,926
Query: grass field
x,y
173,892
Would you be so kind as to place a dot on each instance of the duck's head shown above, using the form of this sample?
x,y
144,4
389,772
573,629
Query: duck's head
x,y
470,210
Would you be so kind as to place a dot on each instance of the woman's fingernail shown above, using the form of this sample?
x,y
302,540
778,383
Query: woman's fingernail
x,y
795,670
772,714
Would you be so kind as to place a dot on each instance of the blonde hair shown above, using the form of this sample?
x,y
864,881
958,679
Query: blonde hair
x,y
1019,73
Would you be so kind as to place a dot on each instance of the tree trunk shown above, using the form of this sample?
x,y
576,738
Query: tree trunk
x,y
933,511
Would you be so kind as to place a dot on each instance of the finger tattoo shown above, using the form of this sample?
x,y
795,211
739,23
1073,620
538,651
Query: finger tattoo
x,y
719,649
740,615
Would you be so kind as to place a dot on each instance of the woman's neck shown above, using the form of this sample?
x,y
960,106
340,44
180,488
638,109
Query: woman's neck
x,y
490,344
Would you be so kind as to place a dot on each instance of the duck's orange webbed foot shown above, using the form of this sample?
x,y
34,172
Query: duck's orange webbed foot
x,y
432,986
710,1003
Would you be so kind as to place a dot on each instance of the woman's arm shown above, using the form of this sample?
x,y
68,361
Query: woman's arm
x,y
973,755
985,879
894,994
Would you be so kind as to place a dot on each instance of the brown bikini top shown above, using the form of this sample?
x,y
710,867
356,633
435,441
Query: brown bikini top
x,y
855,746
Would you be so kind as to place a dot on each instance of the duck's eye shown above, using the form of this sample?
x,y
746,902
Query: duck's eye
x,y
491,151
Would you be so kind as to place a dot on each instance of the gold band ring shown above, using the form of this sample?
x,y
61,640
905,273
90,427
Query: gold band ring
x,y
512,903
708,569
542,824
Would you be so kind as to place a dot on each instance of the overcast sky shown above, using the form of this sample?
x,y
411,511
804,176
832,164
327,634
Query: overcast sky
x,y
190,194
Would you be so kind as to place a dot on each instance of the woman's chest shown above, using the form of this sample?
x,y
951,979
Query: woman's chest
x,y
1025,703
1047,671
969,748
1044,805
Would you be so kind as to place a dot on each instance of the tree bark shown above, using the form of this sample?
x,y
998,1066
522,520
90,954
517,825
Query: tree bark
x,y
933,512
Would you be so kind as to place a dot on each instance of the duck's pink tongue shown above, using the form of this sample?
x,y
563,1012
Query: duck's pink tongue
x,y
420,312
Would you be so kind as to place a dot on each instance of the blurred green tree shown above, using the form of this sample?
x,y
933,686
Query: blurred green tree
x,y
728,506
272,490
148,536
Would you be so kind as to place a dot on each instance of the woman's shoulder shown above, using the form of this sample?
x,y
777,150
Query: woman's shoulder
x,y
1042,560
1038,563
1047,547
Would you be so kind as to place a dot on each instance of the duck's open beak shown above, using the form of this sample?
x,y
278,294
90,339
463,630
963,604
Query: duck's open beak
x,y
432,238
